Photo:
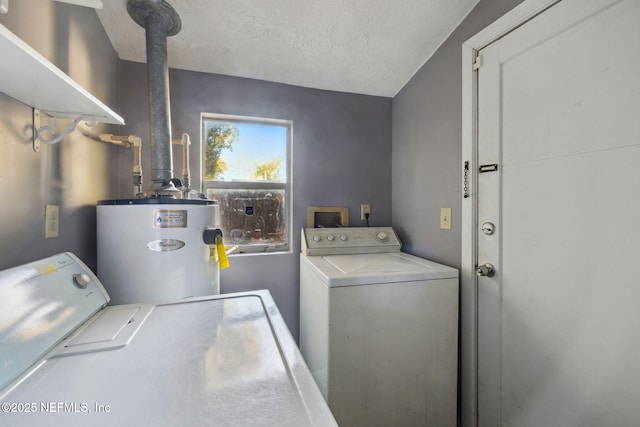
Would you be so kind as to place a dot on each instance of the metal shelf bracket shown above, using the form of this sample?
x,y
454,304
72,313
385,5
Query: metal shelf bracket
x,y
40,130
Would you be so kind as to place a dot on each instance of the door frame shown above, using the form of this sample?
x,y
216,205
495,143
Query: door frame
x,y
468,280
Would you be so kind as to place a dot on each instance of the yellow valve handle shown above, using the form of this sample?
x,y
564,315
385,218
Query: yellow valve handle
x,y
222,253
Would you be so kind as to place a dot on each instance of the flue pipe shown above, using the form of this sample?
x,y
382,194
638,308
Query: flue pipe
x,y
160,21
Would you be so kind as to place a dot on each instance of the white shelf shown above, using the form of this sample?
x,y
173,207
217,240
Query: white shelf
x,y
30,78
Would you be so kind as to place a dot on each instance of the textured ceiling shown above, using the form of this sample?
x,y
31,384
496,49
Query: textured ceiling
x,y
369,47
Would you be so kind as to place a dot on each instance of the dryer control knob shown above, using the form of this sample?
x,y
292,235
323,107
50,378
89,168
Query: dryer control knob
x,y
81,280
344,237
382,236
330,238
316,238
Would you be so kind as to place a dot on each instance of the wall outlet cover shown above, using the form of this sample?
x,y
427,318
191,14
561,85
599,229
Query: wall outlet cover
x,y
365,208
52,221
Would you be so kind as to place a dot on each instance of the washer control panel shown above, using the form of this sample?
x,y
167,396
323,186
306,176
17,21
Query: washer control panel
x,y
349,240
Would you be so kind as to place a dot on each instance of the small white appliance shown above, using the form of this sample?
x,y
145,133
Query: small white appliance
x,y
157,249
68,359
378,328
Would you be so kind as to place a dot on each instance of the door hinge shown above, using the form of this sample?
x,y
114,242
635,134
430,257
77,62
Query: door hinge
x,y
477,63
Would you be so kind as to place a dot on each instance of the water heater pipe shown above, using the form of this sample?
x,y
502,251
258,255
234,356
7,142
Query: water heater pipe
x,y
186,173
128,142
159,20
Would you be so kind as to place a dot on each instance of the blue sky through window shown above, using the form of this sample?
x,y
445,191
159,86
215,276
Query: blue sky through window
x,y
256,144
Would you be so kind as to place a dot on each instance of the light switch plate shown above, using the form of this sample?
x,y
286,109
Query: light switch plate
x,y
445,218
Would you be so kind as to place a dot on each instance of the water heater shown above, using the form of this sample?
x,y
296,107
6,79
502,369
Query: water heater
x,y
154,249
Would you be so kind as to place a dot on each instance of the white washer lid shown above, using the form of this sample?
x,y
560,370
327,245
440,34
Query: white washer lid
x,y
364,269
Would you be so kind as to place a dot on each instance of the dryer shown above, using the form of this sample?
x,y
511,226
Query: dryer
x,y
68,359
378,328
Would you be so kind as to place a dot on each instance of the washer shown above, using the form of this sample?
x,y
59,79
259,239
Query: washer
x,y
68,359
378,328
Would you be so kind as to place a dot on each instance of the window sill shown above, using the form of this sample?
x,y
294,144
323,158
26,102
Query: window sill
x,y
259,249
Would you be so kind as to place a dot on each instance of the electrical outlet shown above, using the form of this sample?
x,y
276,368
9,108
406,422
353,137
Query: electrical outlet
x,y
364,209
445,218
52,221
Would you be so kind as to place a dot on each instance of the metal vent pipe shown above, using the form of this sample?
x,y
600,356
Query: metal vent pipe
x,y
159,20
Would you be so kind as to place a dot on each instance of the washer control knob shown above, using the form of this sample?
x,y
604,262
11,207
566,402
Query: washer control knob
x,y
81,280
344,237
330,238
316,238
382,236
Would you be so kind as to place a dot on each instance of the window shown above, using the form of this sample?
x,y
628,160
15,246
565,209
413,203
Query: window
x,y
247,169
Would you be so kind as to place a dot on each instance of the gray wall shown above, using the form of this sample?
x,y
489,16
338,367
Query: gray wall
x,y
427,153
427,148
72,174
341,157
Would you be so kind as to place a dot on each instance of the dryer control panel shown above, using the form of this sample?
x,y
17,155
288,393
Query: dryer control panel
x,y
349,240
41,303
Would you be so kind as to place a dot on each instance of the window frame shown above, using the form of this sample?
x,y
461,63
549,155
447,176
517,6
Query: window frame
x,y
287,186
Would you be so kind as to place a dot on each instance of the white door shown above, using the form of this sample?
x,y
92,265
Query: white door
x,y
559,322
